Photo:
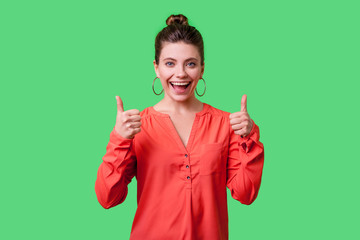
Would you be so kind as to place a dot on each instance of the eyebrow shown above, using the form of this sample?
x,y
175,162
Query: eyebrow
x,y
169,58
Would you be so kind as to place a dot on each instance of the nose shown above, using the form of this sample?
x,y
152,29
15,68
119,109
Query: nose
x,y
180,71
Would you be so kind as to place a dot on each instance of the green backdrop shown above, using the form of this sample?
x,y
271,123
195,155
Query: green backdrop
x,y
63,62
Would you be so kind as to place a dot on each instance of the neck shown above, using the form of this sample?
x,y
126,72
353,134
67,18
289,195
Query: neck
x,y
192,104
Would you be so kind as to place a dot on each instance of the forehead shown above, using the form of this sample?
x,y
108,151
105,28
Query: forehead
x,y
179,51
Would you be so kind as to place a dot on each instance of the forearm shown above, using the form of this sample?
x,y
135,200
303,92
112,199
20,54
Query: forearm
x,y
116,171
245,168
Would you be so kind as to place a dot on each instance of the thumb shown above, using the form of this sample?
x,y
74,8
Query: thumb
x,y
120,106
244,103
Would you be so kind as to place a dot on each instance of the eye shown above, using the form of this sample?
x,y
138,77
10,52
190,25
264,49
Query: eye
x,y
168,64
192,63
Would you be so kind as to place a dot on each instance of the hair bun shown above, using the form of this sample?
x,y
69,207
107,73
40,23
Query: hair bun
x,y
177,19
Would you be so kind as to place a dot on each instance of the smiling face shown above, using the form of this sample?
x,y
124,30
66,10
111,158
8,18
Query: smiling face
x,y
179,70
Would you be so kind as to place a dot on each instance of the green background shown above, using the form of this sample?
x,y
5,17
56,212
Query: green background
x,y
63,62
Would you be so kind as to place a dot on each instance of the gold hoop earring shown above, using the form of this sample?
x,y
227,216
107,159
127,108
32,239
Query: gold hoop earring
x,y
154,89
204,89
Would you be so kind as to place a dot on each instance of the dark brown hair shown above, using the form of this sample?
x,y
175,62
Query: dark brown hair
x,y
178,30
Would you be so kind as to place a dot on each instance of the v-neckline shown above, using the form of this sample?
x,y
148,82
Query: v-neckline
x,y
171,125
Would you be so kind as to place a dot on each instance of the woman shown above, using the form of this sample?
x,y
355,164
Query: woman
x,y
184,153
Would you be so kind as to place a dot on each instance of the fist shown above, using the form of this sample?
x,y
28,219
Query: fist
x,y
127,122
241,122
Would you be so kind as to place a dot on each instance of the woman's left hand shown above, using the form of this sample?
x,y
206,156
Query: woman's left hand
x,y
241,122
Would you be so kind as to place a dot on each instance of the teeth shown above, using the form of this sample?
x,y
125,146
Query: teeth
x,y
180,84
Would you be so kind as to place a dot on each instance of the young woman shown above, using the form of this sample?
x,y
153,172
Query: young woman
x,y
183,152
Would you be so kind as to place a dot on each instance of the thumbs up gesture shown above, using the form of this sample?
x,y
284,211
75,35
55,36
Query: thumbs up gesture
x,y
127,122
241,122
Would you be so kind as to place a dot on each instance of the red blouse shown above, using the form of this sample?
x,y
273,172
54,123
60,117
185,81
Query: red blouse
x,y
181,191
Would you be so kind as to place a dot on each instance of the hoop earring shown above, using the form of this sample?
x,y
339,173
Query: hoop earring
x,y
204,89
154,89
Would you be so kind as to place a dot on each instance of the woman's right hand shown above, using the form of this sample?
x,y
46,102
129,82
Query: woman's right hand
x,y
127,122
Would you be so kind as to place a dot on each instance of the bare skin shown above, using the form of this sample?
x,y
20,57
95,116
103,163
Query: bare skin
x,y
182,121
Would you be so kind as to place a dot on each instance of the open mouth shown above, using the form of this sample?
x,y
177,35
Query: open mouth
x,y
180,85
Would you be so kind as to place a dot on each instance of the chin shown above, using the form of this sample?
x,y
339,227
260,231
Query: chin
x,y
180,98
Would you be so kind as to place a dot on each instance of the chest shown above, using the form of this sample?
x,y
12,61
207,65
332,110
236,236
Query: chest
x,y
170,146
183,126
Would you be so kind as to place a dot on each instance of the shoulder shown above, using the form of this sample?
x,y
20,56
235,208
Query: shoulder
x,y
214,111
146,112
149,112
218,120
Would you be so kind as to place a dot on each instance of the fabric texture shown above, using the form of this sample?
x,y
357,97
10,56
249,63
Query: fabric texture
x,y
181,191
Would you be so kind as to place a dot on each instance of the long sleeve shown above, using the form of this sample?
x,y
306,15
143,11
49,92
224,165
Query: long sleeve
x,y
116,171
245,165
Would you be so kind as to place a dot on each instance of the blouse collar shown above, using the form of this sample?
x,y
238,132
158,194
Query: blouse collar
x,y
202,112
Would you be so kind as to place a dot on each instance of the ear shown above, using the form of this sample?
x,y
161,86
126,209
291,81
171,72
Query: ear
x,y
156,68
202,70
